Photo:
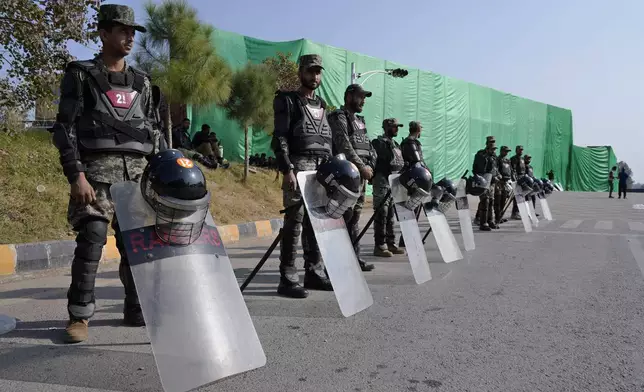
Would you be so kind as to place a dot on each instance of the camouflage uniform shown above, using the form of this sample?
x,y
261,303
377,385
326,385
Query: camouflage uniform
x,y
107,148
518,169
389,160
485,165
350,138
482,152
301,142
502,194
412,152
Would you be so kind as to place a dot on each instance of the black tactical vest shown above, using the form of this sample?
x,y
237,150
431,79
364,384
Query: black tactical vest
x,y
529,171
505,168
311,134
358,136
397,161
117,121
412,150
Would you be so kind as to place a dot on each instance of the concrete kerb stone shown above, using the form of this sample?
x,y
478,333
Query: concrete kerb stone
x,y
20,258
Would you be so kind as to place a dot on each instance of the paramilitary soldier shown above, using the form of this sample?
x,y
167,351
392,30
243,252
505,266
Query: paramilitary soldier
x,y
301,141
518,169
485,165
501,191
412,152
103,133
488,140
350,138
529,170
389,160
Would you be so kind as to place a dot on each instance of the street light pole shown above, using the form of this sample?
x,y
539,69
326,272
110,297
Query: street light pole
x,y
396,73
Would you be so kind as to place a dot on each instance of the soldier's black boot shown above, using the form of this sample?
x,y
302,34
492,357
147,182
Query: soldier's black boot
x,y
485,227
132,314
291,289
493,225
313,281
366,267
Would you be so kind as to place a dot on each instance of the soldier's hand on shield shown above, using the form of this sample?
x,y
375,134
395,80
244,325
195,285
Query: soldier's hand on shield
x,y
82,191
289,182
366,172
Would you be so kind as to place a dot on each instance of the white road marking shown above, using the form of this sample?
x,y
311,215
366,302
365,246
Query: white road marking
x,y
571,224
604,225
636,226
636,249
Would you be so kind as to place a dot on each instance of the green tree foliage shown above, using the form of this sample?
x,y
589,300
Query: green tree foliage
x,y
33,45
284,70
251,102
178,54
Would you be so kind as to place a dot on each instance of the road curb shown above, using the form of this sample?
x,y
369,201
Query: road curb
x,y
37,256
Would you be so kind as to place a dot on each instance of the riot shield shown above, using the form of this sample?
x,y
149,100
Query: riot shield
x,y
199,327
531,212
547,214
349,285
410,232
443,235
523,208
464,216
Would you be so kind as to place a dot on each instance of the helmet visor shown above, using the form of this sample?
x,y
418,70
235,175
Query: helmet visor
x,y
340,201
180,222
416,199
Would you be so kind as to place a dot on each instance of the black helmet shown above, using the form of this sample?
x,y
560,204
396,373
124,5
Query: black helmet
x,y
476,185
449,190
341,179
526,183
417,179
176,190
538,185
547,186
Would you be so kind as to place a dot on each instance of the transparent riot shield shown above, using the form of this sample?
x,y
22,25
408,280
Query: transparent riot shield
x,y
531,212
199,327
523,208
464,216
543,201
443,235
349,285
410,232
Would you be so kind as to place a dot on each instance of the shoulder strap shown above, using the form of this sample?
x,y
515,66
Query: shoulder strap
x,y
139,79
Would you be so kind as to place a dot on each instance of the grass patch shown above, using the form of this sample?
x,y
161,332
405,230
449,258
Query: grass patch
x,y
29,159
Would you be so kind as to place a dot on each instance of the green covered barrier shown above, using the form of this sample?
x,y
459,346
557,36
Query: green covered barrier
x,y
456,115
590,167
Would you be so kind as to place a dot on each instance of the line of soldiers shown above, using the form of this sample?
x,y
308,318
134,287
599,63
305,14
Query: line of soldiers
x,y
499,170
305,136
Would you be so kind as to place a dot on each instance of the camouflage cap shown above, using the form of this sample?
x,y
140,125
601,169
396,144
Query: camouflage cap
x,y
527,156
357,89
310,60
490,139
117,13
519,147
505,148
414,125
388,122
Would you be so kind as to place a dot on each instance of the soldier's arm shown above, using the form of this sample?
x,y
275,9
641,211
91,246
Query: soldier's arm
x,y
279,143
341,143
410,152
479,165
64,129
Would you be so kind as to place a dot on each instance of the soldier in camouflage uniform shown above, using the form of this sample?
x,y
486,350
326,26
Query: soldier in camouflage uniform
x,y
350,138
103,133
488,140
530,171
389,160
485,165
501,195
412,152
518,169
301,141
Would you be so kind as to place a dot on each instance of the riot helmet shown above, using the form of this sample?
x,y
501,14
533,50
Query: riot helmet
x,y
547,186
538,185
417,179
526,183
476,185
342,182
176,190
449,190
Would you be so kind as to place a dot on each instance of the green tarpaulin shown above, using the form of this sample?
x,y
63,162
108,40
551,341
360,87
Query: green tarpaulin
x,y
589,168
456,115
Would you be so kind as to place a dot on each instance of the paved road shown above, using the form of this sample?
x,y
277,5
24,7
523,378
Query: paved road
x,y
559,309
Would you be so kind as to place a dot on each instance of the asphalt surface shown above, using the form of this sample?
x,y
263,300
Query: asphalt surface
x,y
558,309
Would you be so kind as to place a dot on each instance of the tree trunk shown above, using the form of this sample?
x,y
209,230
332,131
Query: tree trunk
x,y
168,117
246,162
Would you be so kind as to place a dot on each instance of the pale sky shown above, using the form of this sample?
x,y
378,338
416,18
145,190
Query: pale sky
x,y
586,56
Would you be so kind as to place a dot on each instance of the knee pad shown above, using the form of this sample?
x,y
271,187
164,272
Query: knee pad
x,y
90,240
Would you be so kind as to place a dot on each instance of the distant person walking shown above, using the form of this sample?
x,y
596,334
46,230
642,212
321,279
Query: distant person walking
x,y
623,177
611,182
